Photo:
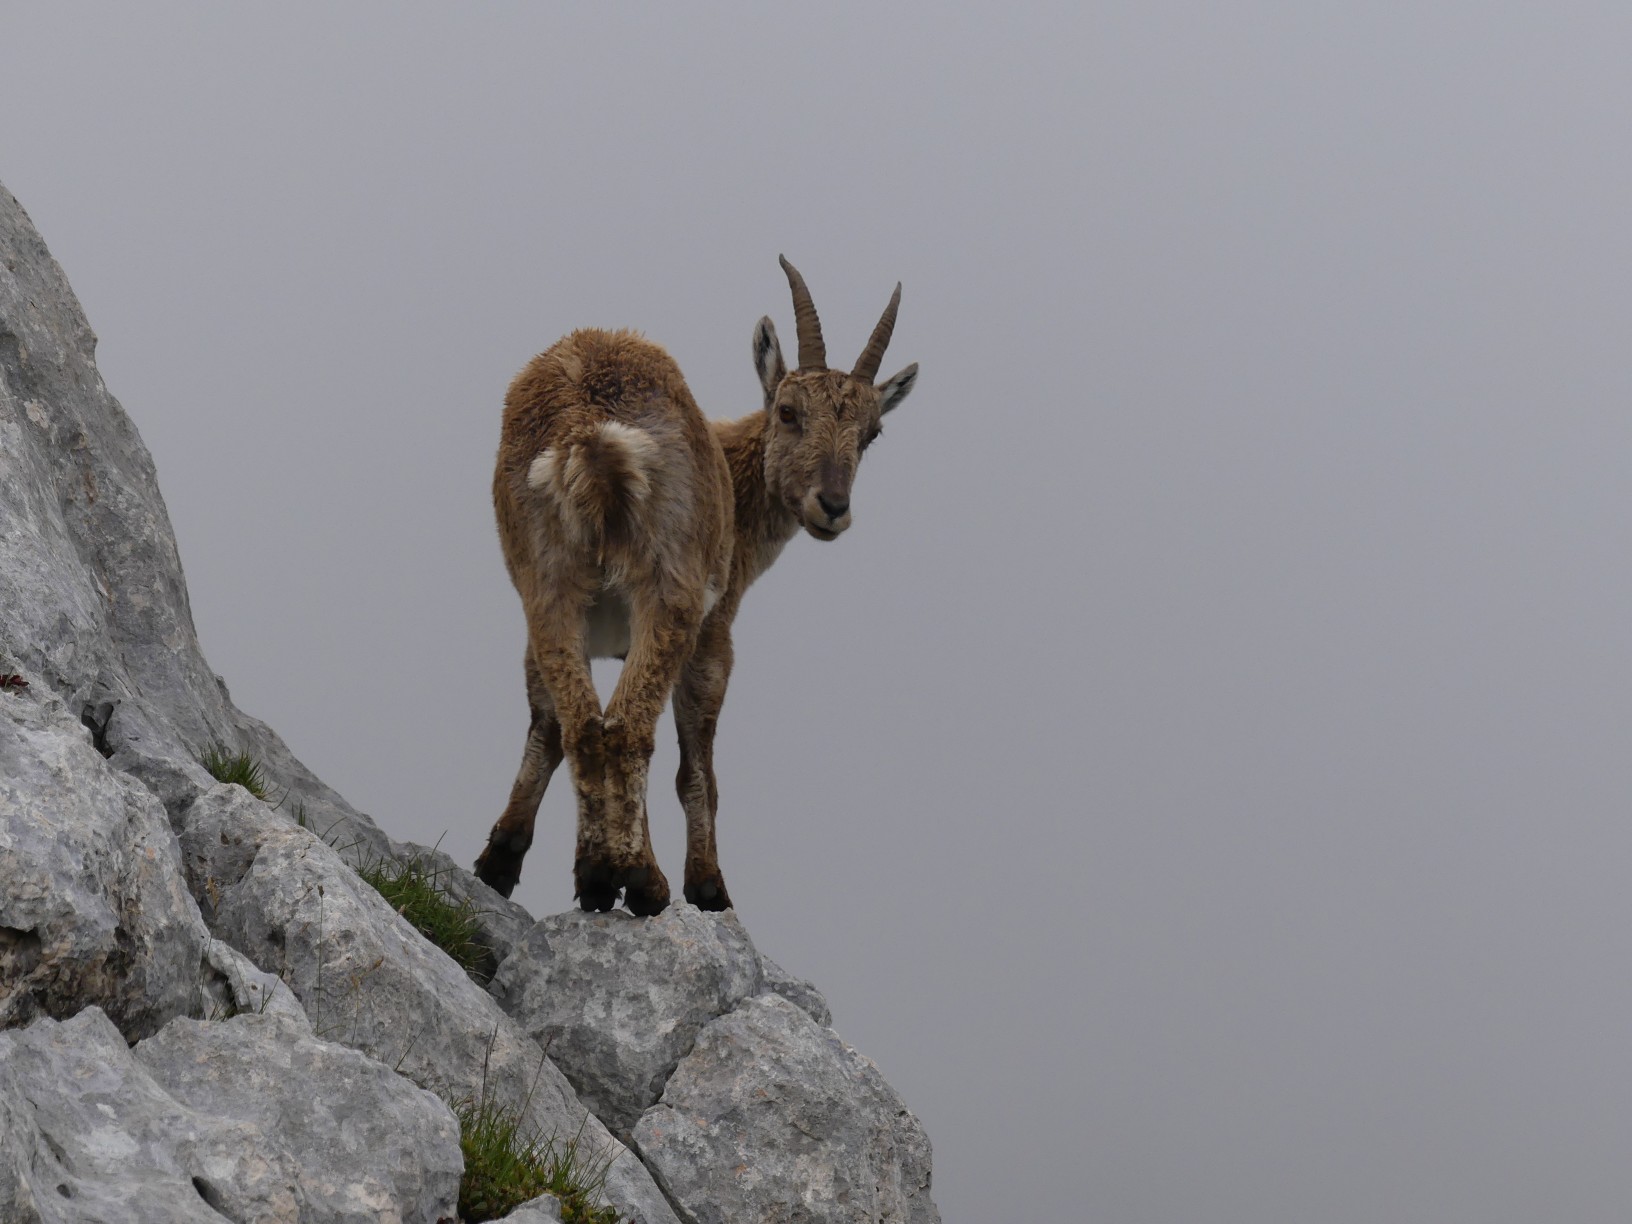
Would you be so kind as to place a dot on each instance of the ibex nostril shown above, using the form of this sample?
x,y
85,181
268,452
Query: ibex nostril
x,y
833,507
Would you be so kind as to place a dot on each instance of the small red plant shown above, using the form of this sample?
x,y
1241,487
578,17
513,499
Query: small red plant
x,y
11,681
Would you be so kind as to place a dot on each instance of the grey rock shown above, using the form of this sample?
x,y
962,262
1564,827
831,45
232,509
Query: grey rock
x,y
545,1209
248,1119
367,979
94,908
621,999
95,1139
25,1157
93,604
797,991
368,1144
94,612
234,986
772,1118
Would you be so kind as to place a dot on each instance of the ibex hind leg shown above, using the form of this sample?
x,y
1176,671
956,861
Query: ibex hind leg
x,y
499,865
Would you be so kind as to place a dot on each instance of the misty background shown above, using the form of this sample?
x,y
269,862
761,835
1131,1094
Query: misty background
x,y
1199,778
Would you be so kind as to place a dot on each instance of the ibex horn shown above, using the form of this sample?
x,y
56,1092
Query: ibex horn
x,y
812,352
867,363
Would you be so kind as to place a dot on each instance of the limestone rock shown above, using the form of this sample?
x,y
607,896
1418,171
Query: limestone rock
x,y
621,998
93,604
93,909
797,991
234,986
545,1209
762,1112
367,1143
244,1119
367,979
772,1118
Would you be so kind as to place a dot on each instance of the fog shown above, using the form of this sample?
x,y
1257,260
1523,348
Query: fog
x,y
1199,777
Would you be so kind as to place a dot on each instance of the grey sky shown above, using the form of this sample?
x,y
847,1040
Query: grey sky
x,y
1199,779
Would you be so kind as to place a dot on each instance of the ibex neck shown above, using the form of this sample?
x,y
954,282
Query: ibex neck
x,y
763,523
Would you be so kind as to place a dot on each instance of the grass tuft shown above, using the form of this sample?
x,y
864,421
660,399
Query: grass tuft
x,y
504,1168
416,892
239,768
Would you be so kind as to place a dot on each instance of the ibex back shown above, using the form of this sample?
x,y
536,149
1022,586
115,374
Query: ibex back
x,y
631,527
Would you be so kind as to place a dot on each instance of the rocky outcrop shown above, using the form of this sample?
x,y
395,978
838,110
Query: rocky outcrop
x,y
720,1065
249,1119
208,1013
93,908
292,904
771,1117
619,1000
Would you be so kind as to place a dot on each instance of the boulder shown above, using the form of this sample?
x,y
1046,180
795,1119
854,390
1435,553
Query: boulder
x,y
247,1119
618,1000
94,908
772,1118
803,995
367,1143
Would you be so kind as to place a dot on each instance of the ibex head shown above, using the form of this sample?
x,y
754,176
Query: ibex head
x,y
821,420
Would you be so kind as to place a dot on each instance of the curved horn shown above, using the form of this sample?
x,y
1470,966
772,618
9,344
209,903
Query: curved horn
x,y
867,363
812,352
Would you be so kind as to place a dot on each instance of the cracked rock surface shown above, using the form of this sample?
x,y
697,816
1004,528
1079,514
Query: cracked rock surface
x,y
250,1119
620,999
772,1117
93,906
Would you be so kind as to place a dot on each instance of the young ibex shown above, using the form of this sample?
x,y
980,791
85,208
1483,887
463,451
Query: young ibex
x,y
631,526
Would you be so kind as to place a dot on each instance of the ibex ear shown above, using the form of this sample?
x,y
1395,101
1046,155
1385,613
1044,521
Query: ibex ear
x,y
897,389
768,359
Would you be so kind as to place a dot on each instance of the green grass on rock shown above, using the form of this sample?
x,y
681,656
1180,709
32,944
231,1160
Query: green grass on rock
x,y
416,891
504,1168
237,767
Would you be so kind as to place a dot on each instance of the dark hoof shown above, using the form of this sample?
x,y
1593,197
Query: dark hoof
x,y
499,866
634,877
646,890
647,901
708,894
597,885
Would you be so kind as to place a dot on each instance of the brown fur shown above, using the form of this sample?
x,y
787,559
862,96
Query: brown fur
x,y
593,517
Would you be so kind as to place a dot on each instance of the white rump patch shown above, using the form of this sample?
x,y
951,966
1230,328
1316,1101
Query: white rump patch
x,y
639,445
543,471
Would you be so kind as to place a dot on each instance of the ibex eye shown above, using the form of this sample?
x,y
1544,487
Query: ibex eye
x,y
787,415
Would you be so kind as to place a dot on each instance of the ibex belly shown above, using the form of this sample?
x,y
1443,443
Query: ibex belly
x,y
606,626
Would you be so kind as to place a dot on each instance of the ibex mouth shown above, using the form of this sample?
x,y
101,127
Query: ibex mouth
x,y
821,533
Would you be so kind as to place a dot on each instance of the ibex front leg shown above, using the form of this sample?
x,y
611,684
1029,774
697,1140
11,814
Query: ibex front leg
x,y
663,633
697,701
499,865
